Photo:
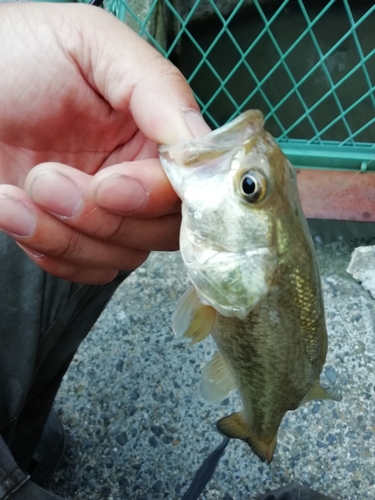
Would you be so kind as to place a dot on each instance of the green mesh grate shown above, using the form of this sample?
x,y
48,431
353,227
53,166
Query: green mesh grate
x,y
309,66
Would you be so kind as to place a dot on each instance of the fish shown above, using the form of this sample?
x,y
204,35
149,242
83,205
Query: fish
x,y
256,286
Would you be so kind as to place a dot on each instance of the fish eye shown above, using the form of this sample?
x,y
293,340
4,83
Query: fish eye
x,y
249,185
253,186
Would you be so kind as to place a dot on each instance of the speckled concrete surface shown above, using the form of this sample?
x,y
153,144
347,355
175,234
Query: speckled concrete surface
x,y
138,429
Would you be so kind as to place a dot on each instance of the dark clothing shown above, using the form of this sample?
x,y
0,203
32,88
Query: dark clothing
x,y
15,484
43,320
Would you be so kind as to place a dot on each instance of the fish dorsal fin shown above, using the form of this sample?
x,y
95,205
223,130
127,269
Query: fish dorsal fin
x,y
217,381
317,392
192,319
234,426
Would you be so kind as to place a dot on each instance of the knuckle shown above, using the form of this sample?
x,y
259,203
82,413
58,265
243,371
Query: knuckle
x,y
78,274
72,248
110,228
115,231
134,259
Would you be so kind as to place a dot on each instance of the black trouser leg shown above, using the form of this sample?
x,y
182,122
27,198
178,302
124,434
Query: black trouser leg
x,y
43,320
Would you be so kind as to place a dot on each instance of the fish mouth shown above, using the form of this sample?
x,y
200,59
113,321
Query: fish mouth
x,y
220,141
207,154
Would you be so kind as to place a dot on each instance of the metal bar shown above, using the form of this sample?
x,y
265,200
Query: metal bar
x,y
329,157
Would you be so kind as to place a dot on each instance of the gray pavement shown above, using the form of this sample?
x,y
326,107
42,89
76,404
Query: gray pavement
x,y
137,427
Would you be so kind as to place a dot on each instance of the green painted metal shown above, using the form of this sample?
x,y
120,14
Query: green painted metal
x,y
329,156
53,1
316,150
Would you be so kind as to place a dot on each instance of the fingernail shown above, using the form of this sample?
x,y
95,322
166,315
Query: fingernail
x,y
195,122
15,218
121,194
30,252
56,193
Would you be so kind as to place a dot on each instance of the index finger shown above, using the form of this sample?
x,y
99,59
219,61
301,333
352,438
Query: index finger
x,y
138,188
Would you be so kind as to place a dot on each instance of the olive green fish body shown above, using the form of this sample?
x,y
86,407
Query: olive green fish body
x,y
275,358
248,252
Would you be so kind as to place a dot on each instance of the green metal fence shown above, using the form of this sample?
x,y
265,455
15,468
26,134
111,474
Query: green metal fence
x,y
308,65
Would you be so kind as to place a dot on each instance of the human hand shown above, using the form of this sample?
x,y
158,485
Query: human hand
x,y
83,104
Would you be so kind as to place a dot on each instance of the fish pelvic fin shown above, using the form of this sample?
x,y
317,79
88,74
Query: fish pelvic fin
x,y
234,426
217,381
192,319
317,392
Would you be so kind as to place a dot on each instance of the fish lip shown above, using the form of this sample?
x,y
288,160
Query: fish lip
x,y
229,136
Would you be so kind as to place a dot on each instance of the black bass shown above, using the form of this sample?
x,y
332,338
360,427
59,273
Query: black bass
x,y
256,284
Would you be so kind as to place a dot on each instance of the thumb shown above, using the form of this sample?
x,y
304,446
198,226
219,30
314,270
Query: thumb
x,y
133,77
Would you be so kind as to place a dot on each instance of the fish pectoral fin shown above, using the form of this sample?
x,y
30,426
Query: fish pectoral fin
x,y
192,319
217,381
317,392
234,426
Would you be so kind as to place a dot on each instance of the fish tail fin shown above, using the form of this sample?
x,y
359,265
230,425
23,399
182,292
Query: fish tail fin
x,y
234,426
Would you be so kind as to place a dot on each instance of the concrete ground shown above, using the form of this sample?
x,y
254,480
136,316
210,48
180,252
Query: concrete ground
x,y
137,427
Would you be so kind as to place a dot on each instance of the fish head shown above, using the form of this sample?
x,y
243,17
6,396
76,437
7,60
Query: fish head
x,y
236,186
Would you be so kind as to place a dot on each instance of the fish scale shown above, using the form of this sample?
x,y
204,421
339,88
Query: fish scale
x,y
256,284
